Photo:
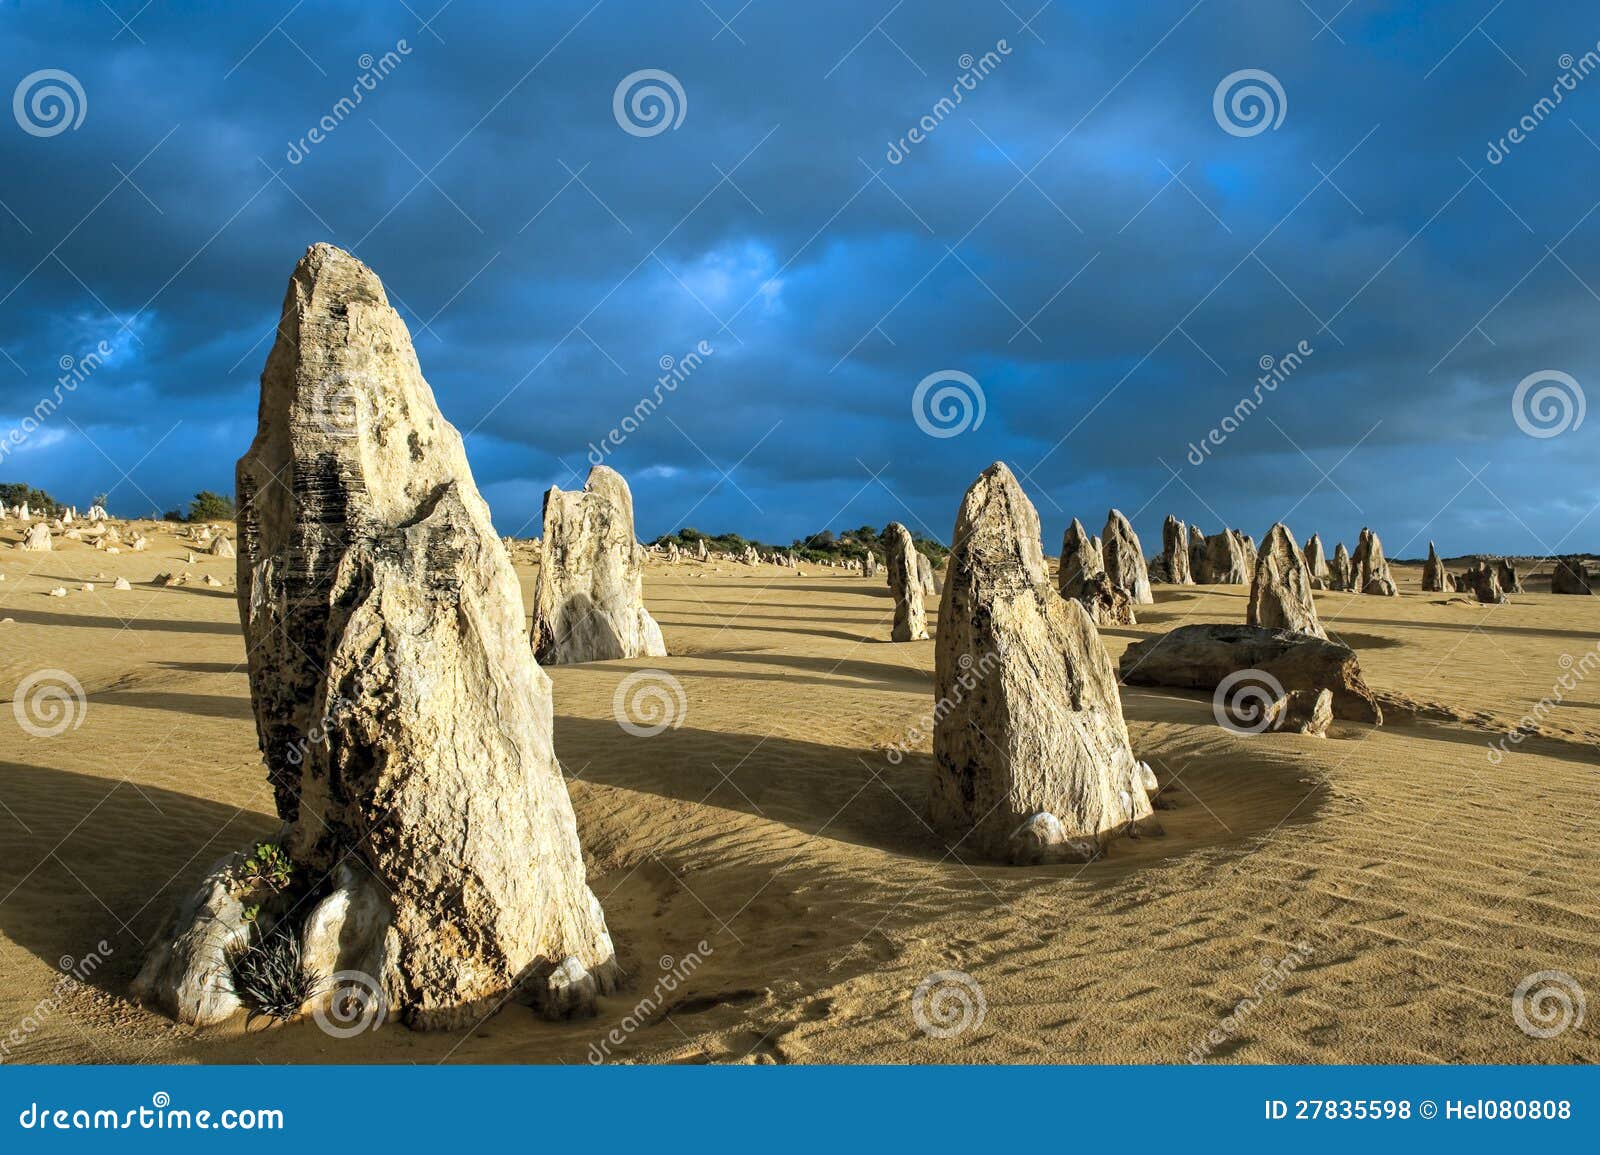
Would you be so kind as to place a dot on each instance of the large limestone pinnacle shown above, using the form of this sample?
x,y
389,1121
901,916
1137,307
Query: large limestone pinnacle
x,y
1031,755
589,600
1435,578
1081,563
1342,572
1370,570
1175,551
905,585
1280,593
405,725
1124,560
1317,563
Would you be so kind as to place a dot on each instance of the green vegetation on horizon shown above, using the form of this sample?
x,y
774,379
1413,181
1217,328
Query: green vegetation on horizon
x,y
846,545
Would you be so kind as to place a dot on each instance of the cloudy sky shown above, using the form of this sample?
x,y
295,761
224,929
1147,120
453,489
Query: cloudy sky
x,y
1093,253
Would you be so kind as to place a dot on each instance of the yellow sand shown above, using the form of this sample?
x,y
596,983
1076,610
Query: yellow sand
x,y
1424,881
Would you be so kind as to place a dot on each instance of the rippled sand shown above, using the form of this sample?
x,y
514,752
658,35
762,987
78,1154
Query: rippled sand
x,y
1375,896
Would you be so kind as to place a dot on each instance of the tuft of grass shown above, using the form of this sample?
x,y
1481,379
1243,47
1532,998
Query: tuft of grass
x,y
270,977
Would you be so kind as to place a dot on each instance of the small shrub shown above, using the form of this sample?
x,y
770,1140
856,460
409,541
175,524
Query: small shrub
x,y
267,869
208,506
270,977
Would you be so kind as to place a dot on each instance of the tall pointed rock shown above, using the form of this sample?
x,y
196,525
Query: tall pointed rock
x,y
1317,563
1435,579
1280,593
1124,560
1370,567
1031,759
1081,563
1175,551
588,604
405,727
905,584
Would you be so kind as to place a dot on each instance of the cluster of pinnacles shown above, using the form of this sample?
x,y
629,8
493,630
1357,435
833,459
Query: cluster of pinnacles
x,y
428,842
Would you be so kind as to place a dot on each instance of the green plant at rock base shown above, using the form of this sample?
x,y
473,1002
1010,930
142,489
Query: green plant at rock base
x,y
267,869
271,978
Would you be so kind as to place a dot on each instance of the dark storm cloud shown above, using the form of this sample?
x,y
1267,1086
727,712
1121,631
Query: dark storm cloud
x,y
1114,306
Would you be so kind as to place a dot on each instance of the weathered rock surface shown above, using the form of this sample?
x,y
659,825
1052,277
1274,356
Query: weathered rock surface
x,y
1280,593
589,599
1435,578
186,972
1510,581
932,583
1370,569
1175,551
1031,760
1108,605
404,723
1224,563
1197,553
1340,572
38,539
1302,712
1482,580
1317,563
905,584
1200,657
1080,562
1569,577
222,547
1124,560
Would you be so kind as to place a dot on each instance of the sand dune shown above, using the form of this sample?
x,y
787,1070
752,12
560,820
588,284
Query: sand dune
x,y
1415,879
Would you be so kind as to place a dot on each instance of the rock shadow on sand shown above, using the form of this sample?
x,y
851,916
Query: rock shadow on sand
x,y
859,796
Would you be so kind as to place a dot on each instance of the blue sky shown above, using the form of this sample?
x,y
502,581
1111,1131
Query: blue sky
x,y
1106,258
